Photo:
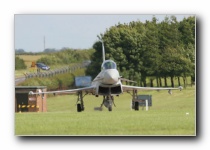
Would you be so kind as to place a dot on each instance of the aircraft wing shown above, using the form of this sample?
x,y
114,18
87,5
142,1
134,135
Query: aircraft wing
x,y
85,89
131,88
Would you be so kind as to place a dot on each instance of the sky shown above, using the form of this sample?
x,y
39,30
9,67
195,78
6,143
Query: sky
x,y
33,33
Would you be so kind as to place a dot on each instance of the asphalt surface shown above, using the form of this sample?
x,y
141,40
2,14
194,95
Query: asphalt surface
x,y
19,80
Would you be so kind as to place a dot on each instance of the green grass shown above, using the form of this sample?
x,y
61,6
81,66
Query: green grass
x,y
167,116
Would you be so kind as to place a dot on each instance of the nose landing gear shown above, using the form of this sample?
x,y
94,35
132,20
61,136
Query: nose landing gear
x,y
107,102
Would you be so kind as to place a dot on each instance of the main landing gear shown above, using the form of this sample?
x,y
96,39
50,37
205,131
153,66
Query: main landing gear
x,y
135,103
80,102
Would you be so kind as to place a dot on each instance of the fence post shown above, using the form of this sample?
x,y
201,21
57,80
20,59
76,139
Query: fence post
x,y
146,105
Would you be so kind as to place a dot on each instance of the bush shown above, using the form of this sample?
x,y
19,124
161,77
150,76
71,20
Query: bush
x,y
19,63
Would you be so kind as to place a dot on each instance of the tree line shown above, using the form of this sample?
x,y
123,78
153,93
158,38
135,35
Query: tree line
x,y
65,56
154,50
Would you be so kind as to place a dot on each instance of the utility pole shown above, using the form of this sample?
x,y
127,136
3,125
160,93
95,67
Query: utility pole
x,y
44,42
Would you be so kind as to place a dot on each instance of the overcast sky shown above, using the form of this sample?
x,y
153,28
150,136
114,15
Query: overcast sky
x,y
72,31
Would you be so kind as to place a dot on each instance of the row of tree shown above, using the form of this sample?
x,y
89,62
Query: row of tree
x,y
152,49
66,56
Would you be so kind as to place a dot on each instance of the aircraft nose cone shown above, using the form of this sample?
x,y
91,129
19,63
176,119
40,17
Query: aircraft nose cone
x,y
111,77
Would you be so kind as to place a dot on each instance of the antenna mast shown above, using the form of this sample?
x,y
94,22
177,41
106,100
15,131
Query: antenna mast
x,y
44,42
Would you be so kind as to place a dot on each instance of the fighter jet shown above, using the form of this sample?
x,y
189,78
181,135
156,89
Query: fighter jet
x,y
108,83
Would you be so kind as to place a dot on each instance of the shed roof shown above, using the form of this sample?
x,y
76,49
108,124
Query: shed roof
x,y
30,87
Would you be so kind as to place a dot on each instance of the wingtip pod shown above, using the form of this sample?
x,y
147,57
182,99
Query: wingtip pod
x,y
180,88
39,91
31,93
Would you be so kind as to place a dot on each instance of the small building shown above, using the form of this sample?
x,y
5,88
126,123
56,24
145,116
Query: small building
x,y
141,100
30,103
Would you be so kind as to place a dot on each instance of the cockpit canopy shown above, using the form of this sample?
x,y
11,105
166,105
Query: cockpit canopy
x,y
109,64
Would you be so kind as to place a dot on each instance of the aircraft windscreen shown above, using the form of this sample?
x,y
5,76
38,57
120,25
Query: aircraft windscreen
x,y
109,65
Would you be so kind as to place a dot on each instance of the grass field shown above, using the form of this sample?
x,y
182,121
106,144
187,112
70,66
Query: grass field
x,y
170,115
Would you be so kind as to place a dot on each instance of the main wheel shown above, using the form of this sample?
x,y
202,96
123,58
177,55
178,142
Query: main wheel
x,y
136,105
79,108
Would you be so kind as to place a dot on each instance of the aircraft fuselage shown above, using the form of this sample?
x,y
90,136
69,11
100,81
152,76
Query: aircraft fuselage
x,y
107,82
